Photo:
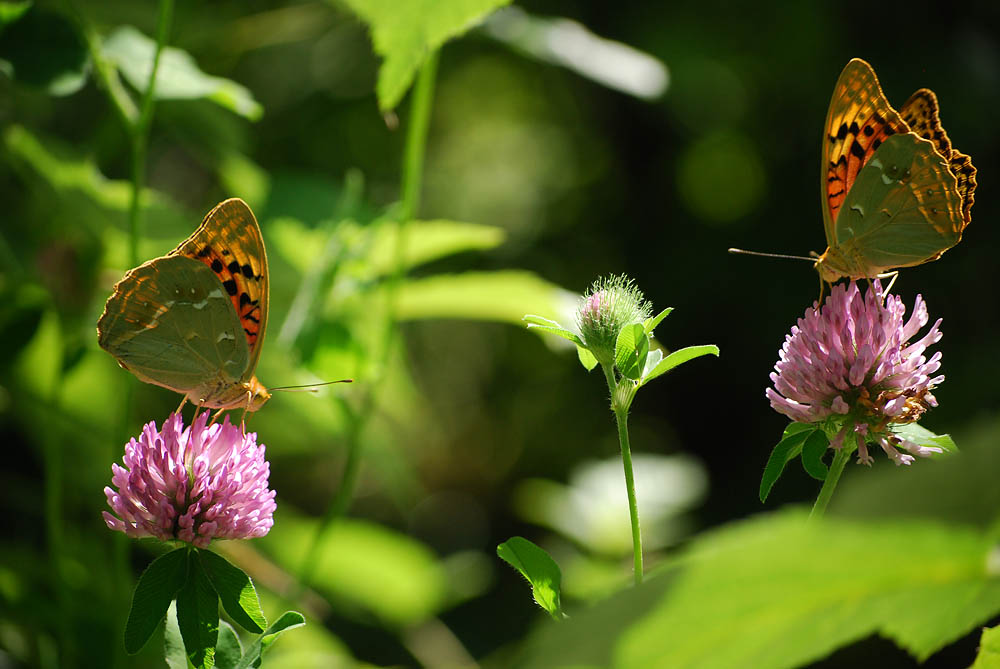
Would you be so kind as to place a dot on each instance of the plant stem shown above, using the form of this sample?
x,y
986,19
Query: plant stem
x,y
412,182
621,416
840,458
619,404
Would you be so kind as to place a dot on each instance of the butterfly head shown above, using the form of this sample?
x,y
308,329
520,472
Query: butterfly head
x,y
258,394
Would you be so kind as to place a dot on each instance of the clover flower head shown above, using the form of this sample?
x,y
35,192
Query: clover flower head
x,y
854,366
192,484
609,305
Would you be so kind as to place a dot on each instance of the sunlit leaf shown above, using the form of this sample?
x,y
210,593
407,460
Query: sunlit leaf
x,y
404,33
783,591
631,350
653,321
679,357
538,568
502,296
587,358
286,621
989,650
921,436
235,590
178,76
227,650
427,241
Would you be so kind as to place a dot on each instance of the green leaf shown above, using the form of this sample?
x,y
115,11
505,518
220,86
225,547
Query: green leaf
x,y
404,33
173,644
61,67
163,578
287,621
651,323
539,568
813,451
652,360
228,650
924,437
989,650
781,591
198,616
427,241
178,76
559,332
631,350
679,358
784,452
502,296
235,590
587,358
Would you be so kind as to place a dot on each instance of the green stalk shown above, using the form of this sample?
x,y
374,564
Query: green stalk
x,y
840,458
621,399
412,183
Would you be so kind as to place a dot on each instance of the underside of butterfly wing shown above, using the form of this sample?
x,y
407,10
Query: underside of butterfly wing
x,y
170,323
230,244
903,209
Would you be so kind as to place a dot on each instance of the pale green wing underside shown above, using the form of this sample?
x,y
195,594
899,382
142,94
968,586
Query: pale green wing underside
x,y
903,209
170,323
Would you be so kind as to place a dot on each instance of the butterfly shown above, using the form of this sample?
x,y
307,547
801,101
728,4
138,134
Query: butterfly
x,y
895,193
194,320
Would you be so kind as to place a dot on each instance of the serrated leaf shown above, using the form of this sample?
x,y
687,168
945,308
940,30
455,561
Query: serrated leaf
x,y
178,76
235,590
198,616
989,650
784,452
404,33
538,568
157,586
286,621
631,350
813,450
587,358
651,323
783,591
679,358
923,437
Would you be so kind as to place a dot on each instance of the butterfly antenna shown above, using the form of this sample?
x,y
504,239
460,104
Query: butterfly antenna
x,y
310,387
769,255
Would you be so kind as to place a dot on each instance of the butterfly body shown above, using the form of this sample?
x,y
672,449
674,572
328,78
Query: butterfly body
x,y
193,320
895,192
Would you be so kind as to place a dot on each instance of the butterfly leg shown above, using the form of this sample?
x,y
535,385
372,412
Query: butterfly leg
x,y
216,415
894,276
181,405
246,409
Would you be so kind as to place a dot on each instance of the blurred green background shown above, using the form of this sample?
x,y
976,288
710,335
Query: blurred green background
x,y
573,156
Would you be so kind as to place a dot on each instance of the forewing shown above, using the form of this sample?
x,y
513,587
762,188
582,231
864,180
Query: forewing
x,y
230,244
170,322
860,119
904,208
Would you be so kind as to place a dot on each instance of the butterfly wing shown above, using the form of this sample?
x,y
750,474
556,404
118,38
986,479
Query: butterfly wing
x,y
170,323
920,112
860,119
903,209
229,243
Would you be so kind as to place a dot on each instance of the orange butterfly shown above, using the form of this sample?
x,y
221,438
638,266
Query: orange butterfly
x,y
895,192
